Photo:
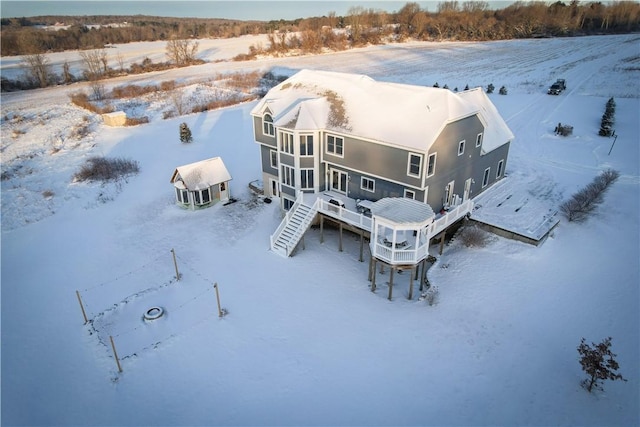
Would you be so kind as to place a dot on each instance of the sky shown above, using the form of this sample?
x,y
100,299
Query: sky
x,y
262,10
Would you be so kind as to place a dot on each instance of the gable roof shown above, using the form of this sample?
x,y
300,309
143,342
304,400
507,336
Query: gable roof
x,y
200,175
399,114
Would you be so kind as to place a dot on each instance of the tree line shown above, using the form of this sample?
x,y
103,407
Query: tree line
x,y
453,20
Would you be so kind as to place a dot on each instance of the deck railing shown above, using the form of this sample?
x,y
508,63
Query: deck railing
x,y
343,214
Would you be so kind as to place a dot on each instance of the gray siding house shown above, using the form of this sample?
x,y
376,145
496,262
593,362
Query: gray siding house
x,y
348,134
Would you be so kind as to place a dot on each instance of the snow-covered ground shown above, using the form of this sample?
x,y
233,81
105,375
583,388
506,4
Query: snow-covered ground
x,y
305,341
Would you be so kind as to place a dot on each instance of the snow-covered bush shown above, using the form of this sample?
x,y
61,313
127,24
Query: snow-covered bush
x,y
431,295
582,203
503,90
103,169
490,88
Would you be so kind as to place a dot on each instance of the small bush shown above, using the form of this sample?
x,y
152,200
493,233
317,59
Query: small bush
x,y
133,91
503,90
599,363
103,169
47,194
585,201
81,99
490,88
133,121
472,236
431,295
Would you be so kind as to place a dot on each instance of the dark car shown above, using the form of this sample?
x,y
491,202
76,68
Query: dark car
x,y
557,87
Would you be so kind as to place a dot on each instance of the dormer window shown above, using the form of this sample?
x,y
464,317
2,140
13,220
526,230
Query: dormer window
x,y
267,125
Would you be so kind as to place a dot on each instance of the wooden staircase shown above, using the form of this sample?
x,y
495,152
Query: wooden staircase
x,y
293,227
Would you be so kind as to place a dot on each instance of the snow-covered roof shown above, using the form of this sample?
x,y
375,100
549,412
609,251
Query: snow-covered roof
x,y
401,210
200,175
496,131
399,114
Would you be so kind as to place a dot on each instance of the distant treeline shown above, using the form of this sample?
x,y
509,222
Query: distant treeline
x,y
453,20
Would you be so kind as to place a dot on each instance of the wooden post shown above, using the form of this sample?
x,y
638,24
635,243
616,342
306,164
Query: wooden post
x,y
175,264
215,286
303,248
115,354
361,246
321,228
84,314
390,283
373,281
340,237
411,278
424,265
371,272
442,241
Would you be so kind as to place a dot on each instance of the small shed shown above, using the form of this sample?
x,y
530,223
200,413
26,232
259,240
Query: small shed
x,y
117,118
201,184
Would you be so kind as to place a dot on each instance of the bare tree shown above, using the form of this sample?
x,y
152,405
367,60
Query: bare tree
x,y
182,52
94,62
38,68
67,77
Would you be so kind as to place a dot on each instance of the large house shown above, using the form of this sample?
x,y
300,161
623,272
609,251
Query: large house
x,y
349,135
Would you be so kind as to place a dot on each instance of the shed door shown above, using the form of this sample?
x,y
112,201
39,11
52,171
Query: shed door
x,y
224,192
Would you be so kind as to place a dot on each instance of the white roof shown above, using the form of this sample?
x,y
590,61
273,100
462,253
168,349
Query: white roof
x,y
401,210
399,114
200,175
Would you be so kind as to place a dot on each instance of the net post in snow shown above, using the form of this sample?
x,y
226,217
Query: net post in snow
x,y
175,264
220,313
115,354
84,314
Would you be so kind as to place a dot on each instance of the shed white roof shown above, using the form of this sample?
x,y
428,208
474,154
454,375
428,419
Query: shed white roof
x,y
200,175
401,210
399,114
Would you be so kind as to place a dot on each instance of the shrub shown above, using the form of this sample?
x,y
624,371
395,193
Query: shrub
x,y
431,295
503,90
81,99
599,363
103,169
133,121
473,236
185,133
582,203
490,88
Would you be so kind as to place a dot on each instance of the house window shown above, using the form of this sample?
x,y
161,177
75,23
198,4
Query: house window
x,y
461,148
202,197
286,142
306,145
368,184
485,177
273,155
499,170
335,145
414,165
287,177
479,140
182,196
306,179
267,125
409,194
431,167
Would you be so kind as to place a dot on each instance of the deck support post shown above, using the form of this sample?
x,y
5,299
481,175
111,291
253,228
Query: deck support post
x,y
390,284
411,278
442,241
361,246
321,228
340,248
373,278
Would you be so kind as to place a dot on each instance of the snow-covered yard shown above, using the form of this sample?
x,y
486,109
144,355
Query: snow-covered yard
x,y
305,342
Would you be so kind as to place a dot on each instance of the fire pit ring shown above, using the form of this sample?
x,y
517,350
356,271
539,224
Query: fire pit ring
x,y
153,313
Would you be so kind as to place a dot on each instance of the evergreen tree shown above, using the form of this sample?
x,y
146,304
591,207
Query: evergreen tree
x,y
599,363
185,133
503,91
490,88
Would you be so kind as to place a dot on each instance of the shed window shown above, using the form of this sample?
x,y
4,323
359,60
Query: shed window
x,y
182,196
267,125
202,197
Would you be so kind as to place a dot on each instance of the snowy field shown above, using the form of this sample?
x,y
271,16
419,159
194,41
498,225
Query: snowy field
x,y
305,342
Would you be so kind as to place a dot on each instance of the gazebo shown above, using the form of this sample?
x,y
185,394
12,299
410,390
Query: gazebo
x,y
400,238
